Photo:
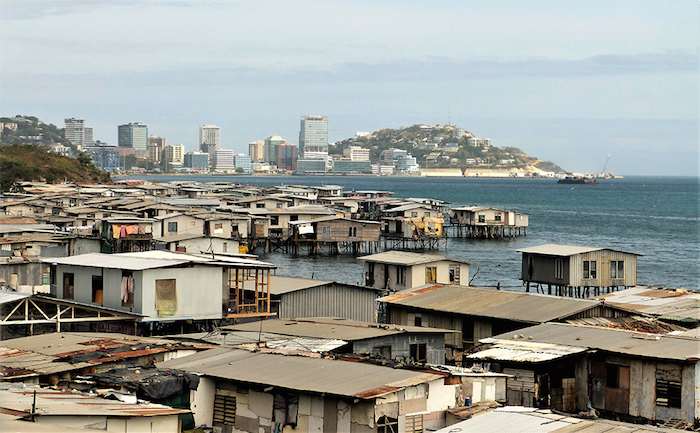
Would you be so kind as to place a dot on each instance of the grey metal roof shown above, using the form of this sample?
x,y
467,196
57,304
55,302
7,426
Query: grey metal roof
x,y
273,341
665,303
281,284
409,259
501,304
611,340
518,419
564,250
525,351
115,261
301,373
332,327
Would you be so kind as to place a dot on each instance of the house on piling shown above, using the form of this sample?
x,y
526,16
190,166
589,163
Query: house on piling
x,y
571,270
334,235
167,288
621,373
413,226
393,271
487,222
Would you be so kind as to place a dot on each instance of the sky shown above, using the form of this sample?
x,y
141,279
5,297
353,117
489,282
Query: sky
x,y
568,81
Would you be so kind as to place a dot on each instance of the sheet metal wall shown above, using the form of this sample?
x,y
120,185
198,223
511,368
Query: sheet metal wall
x,y
331,300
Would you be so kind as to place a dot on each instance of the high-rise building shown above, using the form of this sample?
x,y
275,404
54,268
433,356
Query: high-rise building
x,y
271,144
88,137
287,157
223,160
313,138
256,150
209,138
134,135
356,153
197,160
243,162
175,154
75,131
156,148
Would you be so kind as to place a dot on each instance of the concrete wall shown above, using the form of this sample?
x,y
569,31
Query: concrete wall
x,y
198,292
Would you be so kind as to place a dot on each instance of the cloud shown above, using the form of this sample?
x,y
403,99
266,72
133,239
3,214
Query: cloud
x,y
33,10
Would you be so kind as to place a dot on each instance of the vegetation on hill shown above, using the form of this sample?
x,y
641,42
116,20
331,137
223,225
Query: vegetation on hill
x,y
37,163
31,130
436,146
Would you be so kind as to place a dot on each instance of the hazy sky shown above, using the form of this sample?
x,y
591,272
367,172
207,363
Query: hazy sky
x,y
567,81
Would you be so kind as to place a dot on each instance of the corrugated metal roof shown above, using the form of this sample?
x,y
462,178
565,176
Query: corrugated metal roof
x,y
676,304
7,296
317,375
517,419
115,261
611,340
525,351
280,285
564,250
331,327
632,323
240,338
409,259
51,402
501,304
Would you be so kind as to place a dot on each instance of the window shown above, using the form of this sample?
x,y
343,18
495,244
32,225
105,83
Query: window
x,y
97,289
617,269
430,275
370,274
166,297
589,269
559,269
454,274
668,393
417,320
52,275
414,423
127,289
274,220
414,214
497,216
68,286
225,407
419,352
401,275
385,351
352,232
387,424
326,231
172,226
426,214
482,218
294,218
260,205
218,226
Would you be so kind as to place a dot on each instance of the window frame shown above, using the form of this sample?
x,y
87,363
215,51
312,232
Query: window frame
x,y
664,398
326,231
617,269
418,352
401,275
558,269
590,269
430,274
172,226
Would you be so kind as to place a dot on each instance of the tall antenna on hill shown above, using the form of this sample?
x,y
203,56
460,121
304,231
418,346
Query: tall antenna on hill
x,y
449,115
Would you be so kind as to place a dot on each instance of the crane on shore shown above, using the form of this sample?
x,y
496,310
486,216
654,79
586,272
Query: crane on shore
x,y
605,166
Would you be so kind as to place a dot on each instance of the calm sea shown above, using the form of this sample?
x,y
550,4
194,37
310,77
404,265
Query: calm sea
x,y
657,217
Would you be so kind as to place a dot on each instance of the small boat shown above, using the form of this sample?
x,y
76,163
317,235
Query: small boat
x,y
578,180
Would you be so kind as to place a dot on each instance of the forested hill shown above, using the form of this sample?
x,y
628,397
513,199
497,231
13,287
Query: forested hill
x,y
440,146
37,163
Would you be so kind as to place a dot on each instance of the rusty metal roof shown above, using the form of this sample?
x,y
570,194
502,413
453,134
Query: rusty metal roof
x,y
525,351
500,304
332,327
625,342
38,355
56,403
632,323
676,304
300,373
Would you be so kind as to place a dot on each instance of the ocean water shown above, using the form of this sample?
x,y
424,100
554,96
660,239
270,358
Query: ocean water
x,y
657,217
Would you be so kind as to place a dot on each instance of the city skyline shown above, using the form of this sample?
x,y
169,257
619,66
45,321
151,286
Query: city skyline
x,y
553,79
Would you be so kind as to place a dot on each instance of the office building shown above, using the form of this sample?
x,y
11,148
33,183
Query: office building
x,y
348,166
313,138
209,139
243,162
75,132
356,153
311,166
256,150
135,136
223,160
271,144
175,154
287,157
197,160
88,136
